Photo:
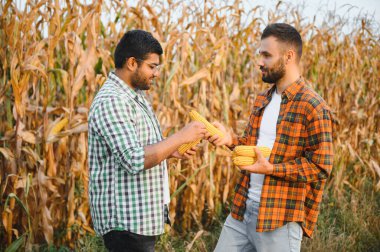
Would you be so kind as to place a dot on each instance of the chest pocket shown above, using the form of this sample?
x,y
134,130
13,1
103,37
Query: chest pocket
x,y
292,132
294,123
294,117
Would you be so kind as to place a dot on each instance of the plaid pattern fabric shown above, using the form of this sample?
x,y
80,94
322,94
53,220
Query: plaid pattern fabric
x,y
123,195
302,156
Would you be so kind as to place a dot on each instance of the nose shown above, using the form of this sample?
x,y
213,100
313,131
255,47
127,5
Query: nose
x,y
260,61
156,73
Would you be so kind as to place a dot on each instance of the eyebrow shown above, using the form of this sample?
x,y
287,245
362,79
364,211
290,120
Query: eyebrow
x,y
152,63
264,52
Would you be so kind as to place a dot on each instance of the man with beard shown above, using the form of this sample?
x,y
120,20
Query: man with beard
x,y
129,186
277,201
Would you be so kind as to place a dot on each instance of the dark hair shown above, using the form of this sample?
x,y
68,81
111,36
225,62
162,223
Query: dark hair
x,y
286,34
137,44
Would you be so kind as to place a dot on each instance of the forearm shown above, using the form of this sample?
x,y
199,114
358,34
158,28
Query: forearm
x,y
158,152
317,159
301,170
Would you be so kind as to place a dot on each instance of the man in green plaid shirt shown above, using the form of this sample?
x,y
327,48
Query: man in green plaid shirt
x,y
128,187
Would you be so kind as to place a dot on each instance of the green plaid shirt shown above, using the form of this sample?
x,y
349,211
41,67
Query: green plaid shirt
x,y
124,195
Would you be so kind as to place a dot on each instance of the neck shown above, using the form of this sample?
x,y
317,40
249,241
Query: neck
x,y
289,78
124,76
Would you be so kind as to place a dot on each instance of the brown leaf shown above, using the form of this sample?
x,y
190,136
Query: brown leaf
x,y
203,73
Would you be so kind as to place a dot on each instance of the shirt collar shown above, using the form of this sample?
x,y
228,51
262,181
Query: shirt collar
x,y
293,88
289,92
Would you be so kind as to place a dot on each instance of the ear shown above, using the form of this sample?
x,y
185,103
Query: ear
x,y
131,64
290,56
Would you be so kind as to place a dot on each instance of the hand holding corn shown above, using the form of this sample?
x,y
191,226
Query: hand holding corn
x,y
193,131
210,129
252,159
218,140
246,155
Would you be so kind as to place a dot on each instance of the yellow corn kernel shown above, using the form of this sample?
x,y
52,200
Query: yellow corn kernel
x,y
59,126
242,160
185,147
194,115
248,151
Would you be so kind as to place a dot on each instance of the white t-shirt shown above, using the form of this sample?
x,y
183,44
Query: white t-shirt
x,y
267,136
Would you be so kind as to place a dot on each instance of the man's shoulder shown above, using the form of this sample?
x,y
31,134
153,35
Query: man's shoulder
x,y
109,98
311,98
110,92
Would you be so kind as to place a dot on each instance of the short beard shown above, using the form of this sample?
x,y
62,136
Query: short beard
x,y
139,82
275,73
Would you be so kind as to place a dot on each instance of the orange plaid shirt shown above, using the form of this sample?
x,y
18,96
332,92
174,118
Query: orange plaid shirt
x,y
302,156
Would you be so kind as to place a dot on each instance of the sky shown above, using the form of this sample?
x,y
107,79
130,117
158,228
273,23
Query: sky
x,y
347,8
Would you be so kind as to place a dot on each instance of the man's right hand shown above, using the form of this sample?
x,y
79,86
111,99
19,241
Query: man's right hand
x,y
216,139
192,132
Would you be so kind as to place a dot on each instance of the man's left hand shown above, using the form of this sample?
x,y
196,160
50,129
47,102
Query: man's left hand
x,y
261,166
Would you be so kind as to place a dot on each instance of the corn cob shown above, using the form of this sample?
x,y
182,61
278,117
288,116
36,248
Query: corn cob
x,y
184,147
210,128
59,126
195,116
242,160
248,151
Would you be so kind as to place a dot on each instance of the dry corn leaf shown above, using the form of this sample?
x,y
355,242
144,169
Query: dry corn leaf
x,y
203,73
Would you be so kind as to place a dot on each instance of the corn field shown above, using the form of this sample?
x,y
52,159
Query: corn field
x,y
55,55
